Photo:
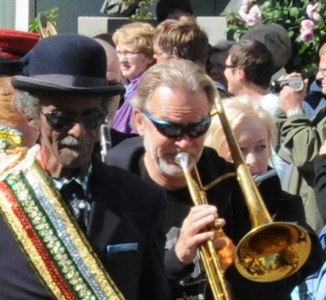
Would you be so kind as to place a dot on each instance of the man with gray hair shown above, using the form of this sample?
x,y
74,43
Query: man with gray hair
x,y
172,114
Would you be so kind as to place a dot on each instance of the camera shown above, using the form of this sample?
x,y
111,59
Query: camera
x,y
294,82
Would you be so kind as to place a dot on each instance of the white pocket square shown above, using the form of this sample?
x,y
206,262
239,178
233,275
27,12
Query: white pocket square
x,y
121,247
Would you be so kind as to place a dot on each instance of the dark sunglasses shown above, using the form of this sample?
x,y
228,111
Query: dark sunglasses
x,y
175,130
60,120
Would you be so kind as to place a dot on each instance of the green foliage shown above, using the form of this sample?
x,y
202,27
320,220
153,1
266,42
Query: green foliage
x,y
143,10
52,15
120,7
289,14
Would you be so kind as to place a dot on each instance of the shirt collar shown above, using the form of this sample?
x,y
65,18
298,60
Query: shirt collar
x,y
82,178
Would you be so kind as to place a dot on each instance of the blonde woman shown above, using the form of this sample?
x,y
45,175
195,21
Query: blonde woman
x,y
253,128
134,46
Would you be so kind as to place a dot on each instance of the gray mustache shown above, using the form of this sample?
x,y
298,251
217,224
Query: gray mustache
x,y
71,141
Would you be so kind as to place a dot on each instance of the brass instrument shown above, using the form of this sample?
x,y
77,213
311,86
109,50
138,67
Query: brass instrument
x,y
105,139
208,255
271,250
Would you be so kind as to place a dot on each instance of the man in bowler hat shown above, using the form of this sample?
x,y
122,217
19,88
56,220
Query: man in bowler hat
x,y
102,243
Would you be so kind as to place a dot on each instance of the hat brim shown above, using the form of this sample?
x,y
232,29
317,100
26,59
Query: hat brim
x,y
35,84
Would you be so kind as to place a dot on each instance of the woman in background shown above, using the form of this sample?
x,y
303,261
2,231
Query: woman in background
x,y
134,46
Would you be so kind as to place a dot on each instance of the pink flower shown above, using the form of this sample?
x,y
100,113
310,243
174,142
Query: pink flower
x,y
306,35
307,24
312,11
243,11
254,15
307,30
251,16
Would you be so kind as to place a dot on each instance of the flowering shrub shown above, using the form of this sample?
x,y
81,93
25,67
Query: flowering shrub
x,y
301,18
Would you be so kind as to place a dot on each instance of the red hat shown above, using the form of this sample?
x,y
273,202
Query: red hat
x,y
14,44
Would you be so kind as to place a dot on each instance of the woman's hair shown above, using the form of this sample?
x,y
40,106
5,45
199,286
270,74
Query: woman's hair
x,y
178,74
139,35
238,110
9,115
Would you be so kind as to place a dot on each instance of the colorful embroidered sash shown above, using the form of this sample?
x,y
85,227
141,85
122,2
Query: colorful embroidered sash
x,y
49,236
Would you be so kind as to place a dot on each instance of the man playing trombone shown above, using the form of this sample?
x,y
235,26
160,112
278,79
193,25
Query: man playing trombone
x,y
172,114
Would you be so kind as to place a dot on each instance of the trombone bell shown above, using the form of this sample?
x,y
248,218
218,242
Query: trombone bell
x,y
272,251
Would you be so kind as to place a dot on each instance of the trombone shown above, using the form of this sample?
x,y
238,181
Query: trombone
x,y
208,255
271,250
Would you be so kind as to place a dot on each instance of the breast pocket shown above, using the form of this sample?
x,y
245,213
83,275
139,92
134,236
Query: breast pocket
x,y
123,263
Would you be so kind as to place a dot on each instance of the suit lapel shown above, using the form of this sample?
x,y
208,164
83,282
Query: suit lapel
x,y
103,226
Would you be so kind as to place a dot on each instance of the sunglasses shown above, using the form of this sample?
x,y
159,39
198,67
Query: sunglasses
x,y
175,130
61,120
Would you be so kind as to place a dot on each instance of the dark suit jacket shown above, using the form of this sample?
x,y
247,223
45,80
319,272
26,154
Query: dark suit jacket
x,y
125,209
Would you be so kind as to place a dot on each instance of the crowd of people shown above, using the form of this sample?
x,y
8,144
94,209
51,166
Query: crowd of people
x,y
95,201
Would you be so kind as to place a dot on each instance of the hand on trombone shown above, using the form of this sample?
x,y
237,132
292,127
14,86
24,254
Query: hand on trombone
x,y
194,232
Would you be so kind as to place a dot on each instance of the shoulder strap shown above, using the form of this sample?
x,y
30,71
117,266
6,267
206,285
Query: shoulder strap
x,y
49,235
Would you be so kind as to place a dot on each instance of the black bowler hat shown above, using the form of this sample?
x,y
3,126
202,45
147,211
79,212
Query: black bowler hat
x,y
69,63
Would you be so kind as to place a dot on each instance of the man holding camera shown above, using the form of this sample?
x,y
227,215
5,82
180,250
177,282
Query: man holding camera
x,y
300,140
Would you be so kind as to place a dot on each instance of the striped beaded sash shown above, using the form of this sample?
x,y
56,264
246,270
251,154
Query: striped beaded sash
x,y
49,236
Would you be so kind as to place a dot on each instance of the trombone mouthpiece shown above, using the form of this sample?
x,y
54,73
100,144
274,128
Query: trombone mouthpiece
x,y
181,158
